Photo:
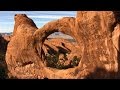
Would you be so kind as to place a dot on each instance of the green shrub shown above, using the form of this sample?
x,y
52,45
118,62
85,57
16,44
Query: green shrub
x,y
75,61
53,61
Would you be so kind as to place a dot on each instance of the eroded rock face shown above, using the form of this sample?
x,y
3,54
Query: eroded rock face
x,y
22,19
95,29
20,52
97,36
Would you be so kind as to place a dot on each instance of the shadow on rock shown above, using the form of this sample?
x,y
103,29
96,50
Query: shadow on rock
x,y
100,73
3,65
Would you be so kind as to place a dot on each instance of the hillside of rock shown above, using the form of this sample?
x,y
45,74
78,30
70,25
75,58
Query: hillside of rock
x,y
96,50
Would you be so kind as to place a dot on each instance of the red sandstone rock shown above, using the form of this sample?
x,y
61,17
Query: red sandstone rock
x,y
97,36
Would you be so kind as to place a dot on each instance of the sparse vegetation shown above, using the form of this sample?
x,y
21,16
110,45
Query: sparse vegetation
x,y
75,61
54,62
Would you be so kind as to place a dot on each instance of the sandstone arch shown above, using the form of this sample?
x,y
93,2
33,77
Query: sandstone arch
x,y
60,25
94,31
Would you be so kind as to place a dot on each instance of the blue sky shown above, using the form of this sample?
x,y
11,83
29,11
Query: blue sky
x,y
39,17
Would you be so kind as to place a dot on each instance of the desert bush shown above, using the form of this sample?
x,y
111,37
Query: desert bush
x,y
53,61
75,61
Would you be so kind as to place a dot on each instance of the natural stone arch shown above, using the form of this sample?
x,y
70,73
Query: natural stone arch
x,y
27,59
64,25
94,31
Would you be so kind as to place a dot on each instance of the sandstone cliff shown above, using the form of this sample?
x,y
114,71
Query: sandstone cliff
x,y
97,36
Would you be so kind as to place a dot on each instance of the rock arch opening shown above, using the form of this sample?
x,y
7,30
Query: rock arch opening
x,y
58,53
61,51
100,58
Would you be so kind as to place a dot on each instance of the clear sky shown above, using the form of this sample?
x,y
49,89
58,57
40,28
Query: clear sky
x,y
39,17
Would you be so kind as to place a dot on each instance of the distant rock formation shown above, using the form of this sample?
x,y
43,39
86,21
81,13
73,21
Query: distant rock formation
x,y
96,33
63,50
7,37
